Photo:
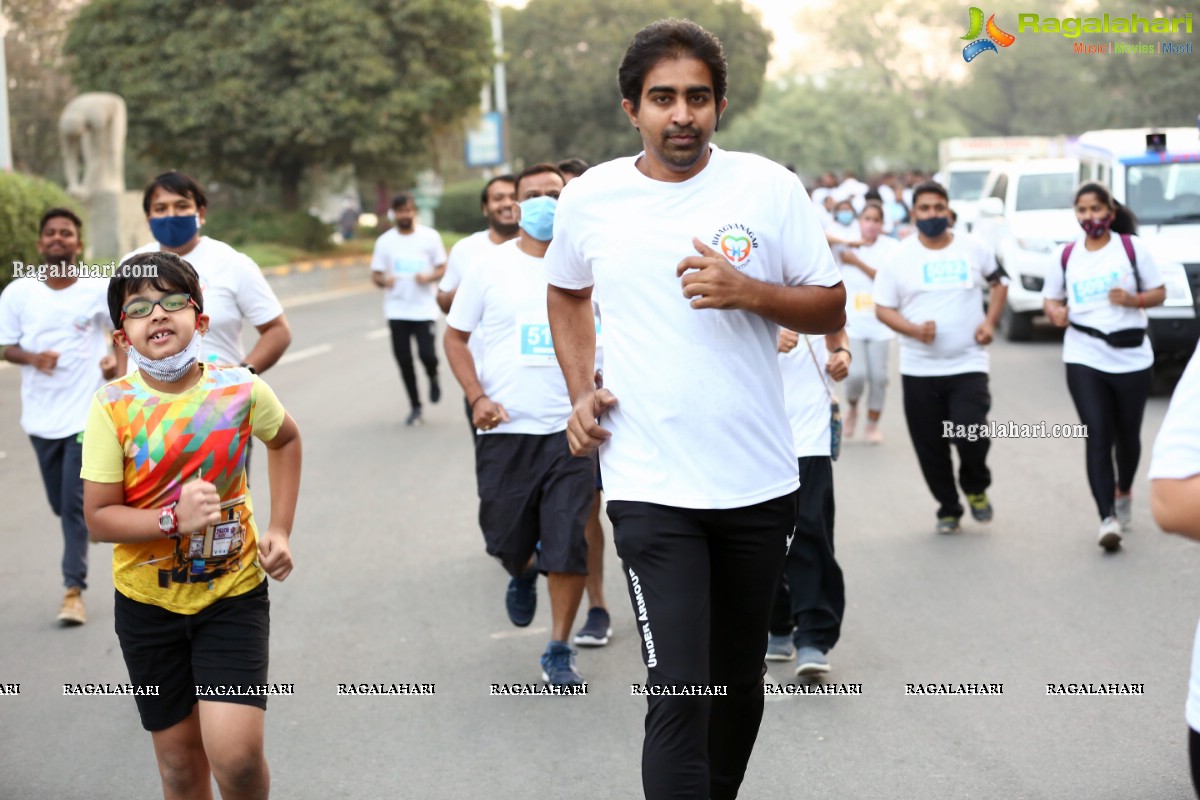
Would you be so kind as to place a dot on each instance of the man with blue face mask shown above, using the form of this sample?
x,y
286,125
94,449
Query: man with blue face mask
x,y
533,495
235,291
931,292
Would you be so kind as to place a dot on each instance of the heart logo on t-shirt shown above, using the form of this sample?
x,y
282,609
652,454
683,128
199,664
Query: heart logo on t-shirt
x,y
735,248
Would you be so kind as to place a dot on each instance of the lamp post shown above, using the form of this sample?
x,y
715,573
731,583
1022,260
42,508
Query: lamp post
x,y
6,162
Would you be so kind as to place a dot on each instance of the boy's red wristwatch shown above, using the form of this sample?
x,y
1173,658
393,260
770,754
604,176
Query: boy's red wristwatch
x,y
168,523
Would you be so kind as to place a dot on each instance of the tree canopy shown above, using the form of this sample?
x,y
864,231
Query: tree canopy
x,y
239,90
562,70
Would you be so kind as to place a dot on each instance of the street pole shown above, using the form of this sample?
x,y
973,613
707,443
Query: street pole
x,y
500,84
6,162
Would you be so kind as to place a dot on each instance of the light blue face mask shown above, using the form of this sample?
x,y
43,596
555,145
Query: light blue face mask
x,y
845,217
537,217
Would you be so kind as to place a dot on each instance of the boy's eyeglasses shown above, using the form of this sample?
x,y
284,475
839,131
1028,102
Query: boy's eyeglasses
x,y
169,303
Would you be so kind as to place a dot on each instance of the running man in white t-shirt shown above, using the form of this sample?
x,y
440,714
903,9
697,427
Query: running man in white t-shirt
x,y
408,262
1099,286
533,496
235,291
931,293
1175,500
57,330
498,201
696,257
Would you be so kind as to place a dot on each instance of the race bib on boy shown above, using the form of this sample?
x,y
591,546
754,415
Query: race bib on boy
x,y
864,301
954,273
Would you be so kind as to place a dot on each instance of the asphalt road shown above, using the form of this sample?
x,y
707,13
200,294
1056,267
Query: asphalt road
x,y
392,586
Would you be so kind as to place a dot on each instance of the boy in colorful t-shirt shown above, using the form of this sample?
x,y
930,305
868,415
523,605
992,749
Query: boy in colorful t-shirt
x,y
164,479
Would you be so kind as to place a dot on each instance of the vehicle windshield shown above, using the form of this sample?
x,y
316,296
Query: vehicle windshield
x,y
1050,190
967,185
1160,193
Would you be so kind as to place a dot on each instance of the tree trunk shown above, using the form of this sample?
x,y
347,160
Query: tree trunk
x,y
289,186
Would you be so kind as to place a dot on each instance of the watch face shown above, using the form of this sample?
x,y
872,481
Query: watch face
x,y
164,522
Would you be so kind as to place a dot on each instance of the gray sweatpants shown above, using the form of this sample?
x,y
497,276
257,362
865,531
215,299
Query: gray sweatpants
x,y
868,369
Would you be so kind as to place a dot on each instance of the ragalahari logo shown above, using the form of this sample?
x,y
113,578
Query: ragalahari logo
x,y
995,36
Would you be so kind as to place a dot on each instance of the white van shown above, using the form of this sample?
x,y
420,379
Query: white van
x,y
965,182
1156,172
1026,213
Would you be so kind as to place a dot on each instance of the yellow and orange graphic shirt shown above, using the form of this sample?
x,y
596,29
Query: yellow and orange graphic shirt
x,y
153,443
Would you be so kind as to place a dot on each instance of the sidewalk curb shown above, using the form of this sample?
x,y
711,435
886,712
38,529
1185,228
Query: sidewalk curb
x,y
308,265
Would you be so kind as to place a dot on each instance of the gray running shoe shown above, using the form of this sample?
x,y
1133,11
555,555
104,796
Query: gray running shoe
x,y
1123,510
810,661
1110,534
948,525
414,418
780,648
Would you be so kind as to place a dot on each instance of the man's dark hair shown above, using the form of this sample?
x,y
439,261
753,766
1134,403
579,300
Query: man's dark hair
x,y
64,213
487,187
573,166
137,272
401,200
930,187
671,38
537,169
175,183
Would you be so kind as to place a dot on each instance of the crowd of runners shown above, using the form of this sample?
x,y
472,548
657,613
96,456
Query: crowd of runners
x,y
730,285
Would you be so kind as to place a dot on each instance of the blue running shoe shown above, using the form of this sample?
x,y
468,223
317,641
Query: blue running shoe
x,y
596,630
521,599
558,665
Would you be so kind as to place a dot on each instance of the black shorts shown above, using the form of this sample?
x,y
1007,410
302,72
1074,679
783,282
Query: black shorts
x,y
531,490
222,645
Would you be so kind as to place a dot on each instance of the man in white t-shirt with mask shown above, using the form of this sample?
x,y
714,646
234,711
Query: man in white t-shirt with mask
x,y
235,291
532,494
931,292
58,331
696,257
408,262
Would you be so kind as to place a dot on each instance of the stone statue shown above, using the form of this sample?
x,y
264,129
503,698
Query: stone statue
x,y
92,130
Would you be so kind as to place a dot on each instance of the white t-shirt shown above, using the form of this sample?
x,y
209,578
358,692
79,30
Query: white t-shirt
x,y
1090,274
404,256
1177,457
235,292
945,286
861,322
74,322
700,419
806,397
504,304
464,253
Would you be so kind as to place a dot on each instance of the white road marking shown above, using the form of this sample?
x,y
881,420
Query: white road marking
x,y
320,297
518,633
300,355
379,333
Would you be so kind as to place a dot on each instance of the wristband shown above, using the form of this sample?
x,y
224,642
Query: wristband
x,y
253,371
849,355
477,399
1141,300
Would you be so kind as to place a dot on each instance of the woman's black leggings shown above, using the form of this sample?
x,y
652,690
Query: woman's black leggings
x,y
1111,405
1194,758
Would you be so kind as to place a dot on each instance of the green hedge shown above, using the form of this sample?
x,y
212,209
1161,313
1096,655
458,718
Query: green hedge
x,y
291,228
23,200
459,209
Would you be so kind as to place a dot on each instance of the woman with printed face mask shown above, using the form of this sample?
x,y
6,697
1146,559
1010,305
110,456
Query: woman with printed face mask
x,y
1098,289
870,339
235,291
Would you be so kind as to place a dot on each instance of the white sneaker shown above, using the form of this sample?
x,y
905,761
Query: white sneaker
x,y
1123,510
1110,534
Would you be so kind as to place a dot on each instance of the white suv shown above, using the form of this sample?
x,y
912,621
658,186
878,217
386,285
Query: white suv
x,y
1028,211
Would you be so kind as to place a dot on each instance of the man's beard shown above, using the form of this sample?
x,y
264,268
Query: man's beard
x,y
505,228
404,225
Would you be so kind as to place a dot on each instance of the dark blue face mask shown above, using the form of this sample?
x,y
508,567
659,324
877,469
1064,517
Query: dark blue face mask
x,y
174,231
934,226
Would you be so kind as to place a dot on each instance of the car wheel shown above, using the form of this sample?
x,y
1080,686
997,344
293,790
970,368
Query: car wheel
x,y
1017,327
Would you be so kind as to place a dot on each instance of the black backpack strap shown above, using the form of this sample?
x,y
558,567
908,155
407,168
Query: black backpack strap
x,y
1127,243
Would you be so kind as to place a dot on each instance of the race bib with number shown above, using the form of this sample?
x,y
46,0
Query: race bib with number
x,y
864,301
1093,291
409,266
950,274
535,348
